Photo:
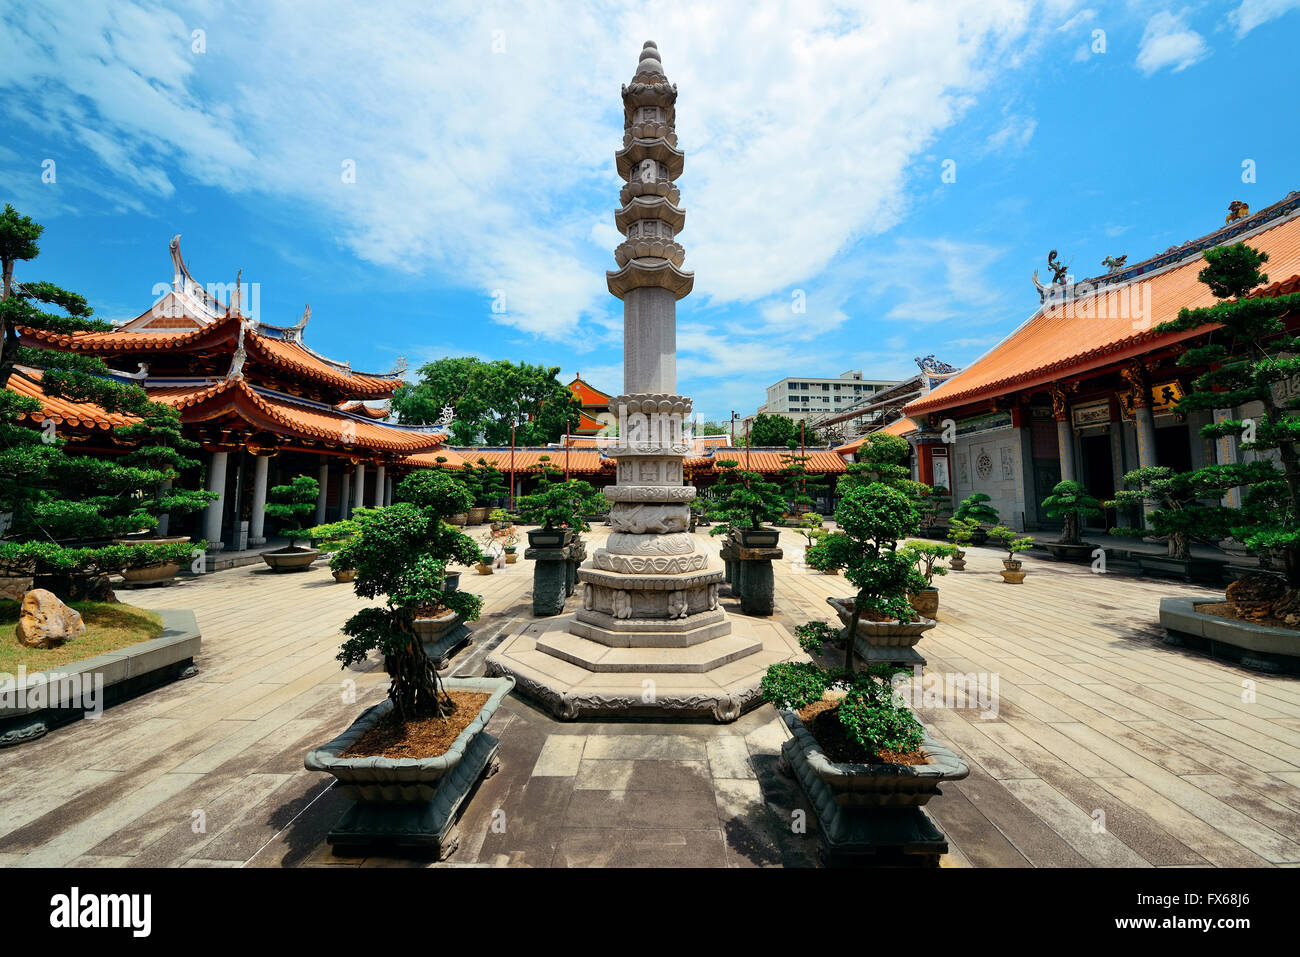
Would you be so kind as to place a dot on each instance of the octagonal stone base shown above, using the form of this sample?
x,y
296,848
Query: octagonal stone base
x,y
718,677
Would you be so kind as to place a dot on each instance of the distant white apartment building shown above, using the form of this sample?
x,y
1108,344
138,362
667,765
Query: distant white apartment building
x,y
810,399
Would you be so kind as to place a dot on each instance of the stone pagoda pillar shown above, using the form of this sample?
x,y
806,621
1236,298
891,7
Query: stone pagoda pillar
x,y
649,579
651,637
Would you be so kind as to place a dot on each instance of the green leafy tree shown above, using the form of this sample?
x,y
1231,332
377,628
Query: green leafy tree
x,y
489,485
291,504
882,458
1071,503
1249,356
712,428
798,485
401,553
559,504
743,500
777,430
488,397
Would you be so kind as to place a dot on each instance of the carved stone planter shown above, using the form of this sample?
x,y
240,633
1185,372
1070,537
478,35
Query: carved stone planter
x,y
478,515
512,556
1013,571
1070,553
958,562
346,575
295,560
925,602
549,537
412,802
442,635
891,634
757,537
1252,645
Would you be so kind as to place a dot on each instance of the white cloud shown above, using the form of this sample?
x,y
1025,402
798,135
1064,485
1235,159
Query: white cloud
x,y
801,125
1254,13
1168,41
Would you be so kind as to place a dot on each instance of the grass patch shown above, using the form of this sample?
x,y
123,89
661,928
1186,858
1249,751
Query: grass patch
x,y
109,627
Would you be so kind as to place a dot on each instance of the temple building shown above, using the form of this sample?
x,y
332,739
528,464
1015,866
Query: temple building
x,y
1085,389
263,405
595,414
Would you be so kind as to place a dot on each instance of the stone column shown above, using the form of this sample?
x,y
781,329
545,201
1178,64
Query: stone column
x,y
164,520
322,496
257,524
1227,453
359,487
1146,443
381,485
345,495
388,491
1065,442
216,509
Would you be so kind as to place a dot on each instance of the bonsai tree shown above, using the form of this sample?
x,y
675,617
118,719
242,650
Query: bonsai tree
x,y
795,480
1183,510
928,557
976,507
1249,356
292,504
872,519
401,554
882,458
488,485
931,503
1071,502
810,527
559,504
747,502
961,531
60,507
1012,542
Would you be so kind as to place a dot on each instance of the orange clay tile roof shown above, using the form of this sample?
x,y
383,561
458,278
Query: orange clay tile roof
x,y
1055,343
224,332
581,460
899,427
236,397
588,395
773,460
75,415
430,459
360,408
588,461
587,424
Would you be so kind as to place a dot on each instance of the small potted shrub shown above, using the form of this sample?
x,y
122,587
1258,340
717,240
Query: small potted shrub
x,y
487,556
559,508
872,519
748,504
928,557
499,519
960,532
977,507
510,543
330,537
1071,503
410,761
1012,568
811,529
292,504
486,486
932,503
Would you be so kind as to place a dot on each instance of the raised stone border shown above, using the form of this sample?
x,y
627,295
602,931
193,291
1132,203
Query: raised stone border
x,y
1250,645
126,673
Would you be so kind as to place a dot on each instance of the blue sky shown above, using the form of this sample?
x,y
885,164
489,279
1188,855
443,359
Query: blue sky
x,y
482,138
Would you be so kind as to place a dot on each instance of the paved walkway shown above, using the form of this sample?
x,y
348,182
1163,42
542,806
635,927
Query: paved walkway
x,y
1108,748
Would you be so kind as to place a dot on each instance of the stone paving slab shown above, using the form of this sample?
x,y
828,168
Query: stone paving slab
x,y
1095,714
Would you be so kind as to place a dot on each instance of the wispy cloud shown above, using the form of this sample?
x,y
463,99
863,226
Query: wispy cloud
x,y
1254,13
1169,42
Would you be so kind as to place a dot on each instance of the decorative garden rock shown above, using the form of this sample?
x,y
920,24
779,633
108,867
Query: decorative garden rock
x,y
411,802
14,587
46,622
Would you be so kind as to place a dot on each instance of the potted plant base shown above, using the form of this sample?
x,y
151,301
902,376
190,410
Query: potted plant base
x,y
512,556
926,602
344,575
485,563
150,574
958,562
478,515
1070,553
1013,572
549,537
291,559
871,812
758,537
443,635
412,802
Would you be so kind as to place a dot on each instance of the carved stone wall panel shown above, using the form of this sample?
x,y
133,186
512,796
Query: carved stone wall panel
x,y
652,564
647,493
623,543
658,518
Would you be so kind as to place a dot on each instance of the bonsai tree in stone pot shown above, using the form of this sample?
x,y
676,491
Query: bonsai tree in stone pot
x,y
960,533
1012,568
410,761
1071,503
929,558
977,507
872,519
510,544
330,537
487,486
440,496
746,507
932,503
291,504
796,482
559,507
1183,511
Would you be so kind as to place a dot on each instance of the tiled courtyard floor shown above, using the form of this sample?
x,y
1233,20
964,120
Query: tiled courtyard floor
x,y
1108,747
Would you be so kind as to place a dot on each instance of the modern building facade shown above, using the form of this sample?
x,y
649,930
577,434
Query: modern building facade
x,y
807,399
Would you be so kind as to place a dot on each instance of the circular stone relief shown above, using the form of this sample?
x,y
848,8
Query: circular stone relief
x,y
983,465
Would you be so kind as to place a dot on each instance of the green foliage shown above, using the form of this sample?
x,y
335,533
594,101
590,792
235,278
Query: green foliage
x,y
877,720
928,557
976,507
962,530
794,684
712,428
1012,542
292,504
1248,355
814,635
872,519
436,491
1071,502
487,397
777,430
401,553
745,500
796,481
560,504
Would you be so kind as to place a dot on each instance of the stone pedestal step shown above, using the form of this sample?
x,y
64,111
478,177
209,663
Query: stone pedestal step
x,y
606,630
693,659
